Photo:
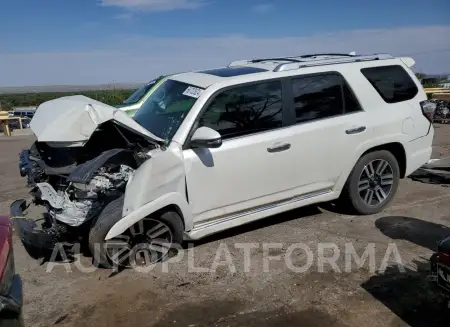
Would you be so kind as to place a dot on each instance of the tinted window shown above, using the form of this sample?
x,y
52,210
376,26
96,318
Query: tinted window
x,y
351,104
245,110
233,71
322,96
393,83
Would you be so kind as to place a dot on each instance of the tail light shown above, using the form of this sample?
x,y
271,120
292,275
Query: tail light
x,y
428,109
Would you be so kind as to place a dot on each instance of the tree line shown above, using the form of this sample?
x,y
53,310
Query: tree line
x,y
111,97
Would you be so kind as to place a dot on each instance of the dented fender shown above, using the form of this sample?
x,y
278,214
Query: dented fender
x,y
149,208
158,182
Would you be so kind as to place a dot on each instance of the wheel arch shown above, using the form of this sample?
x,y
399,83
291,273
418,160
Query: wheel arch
x,y
398,151
168,202
397,148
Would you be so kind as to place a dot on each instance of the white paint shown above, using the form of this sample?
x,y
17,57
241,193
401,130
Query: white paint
x,y
241,181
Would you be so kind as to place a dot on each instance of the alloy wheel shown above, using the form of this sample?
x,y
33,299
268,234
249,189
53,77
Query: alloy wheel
x,y
375,182
146,242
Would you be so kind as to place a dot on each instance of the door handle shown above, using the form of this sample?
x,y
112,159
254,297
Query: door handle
x,y
279,148
356,130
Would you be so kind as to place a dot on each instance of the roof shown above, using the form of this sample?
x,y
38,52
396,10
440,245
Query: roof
x,y
197,79
233,71
268,66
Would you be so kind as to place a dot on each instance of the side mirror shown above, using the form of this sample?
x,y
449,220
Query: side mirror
x,y
205,137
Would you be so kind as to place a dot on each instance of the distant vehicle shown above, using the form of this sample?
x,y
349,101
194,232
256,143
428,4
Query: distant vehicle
x,y
10,282
14,123
22,113
135,101
440,267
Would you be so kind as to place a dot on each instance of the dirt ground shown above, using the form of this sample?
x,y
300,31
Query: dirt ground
x,y
250,295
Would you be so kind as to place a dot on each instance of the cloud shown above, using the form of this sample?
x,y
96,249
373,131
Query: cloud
x,y
153,5
140,58
263,8
125,16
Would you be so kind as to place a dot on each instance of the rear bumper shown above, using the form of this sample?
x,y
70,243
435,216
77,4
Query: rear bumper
x,y
36,241
12,303
418,153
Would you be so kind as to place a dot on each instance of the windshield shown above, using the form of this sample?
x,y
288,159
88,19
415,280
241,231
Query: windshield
x,y
163,112
139,94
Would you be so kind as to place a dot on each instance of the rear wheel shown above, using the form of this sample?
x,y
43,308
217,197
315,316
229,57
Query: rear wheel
x,y
373,182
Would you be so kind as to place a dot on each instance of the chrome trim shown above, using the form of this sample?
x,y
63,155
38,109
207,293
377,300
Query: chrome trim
x,y
213,222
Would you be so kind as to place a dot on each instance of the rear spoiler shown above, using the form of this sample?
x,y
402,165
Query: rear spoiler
x,y
408,61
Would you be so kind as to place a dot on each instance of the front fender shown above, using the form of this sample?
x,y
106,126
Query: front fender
x,y
129,220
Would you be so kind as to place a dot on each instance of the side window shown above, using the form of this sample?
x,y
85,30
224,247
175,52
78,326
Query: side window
x,y
322,96
351,104
393,83
245,110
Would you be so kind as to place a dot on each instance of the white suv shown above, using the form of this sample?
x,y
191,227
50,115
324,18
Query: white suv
x,y
214,149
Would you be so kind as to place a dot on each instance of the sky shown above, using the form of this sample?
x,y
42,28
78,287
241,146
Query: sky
x,y
65,42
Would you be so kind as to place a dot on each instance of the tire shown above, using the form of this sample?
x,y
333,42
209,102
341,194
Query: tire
x,y
12,321
361,200
111,214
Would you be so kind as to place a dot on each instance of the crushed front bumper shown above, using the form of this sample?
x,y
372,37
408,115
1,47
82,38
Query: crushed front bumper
x,y
37,242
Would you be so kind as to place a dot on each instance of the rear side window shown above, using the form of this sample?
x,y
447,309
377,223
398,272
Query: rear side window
x,y
322,96
393,83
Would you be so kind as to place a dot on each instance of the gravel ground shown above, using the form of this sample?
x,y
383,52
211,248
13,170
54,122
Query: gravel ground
x,y
250,295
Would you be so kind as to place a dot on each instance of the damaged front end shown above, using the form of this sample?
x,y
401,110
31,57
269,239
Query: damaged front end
x,y
75,173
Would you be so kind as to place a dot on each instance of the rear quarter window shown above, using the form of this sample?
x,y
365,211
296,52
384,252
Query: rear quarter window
x,y
392,83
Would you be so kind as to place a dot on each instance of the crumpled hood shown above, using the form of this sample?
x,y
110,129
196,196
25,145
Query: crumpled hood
x,y
75,118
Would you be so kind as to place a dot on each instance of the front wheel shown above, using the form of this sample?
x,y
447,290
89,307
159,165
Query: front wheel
x,y
148,241
373,182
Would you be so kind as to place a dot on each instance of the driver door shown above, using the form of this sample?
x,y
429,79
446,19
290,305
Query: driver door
x,y
253,166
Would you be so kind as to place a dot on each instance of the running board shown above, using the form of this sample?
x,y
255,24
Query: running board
x,y
215,225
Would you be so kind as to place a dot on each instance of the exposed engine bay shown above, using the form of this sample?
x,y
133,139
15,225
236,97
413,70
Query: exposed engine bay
x,y
75,183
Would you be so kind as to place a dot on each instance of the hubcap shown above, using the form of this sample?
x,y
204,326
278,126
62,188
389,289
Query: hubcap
x,y
375,182
145,243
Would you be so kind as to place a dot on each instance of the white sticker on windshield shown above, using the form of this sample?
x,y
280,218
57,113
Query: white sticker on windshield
x,y
193,92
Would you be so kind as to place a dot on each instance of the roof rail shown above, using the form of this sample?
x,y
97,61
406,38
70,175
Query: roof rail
x,y
290,58
327,54
259,60
330,61
254,61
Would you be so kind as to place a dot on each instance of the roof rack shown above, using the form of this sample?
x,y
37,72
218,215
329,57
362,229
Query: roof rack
x,y
295,62
327,54
331,61
290,58
254,61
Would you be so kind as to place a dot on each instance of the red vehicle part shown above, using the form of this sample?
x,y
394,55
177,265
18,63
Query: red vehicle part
x,y
10,282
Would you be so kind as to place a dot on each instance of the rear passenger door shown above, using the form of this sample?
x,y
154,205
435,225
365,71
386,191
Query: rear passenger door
x,y
329,125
